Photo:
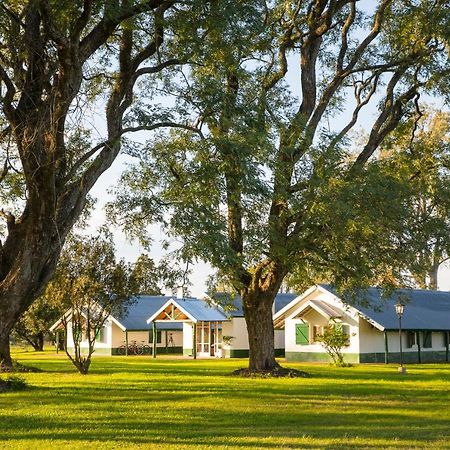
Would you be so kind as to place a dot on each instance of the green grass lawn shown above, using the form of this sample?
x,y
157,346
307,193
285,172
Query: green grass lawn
x,y
138,402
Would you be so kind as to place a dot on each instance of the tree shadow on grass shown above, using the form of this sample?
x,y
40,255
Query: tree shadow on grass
x,y
217,428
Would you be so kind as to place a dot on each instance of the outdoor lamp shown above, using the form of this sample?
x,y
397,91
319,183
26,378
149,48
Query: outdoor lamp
x,y
399,308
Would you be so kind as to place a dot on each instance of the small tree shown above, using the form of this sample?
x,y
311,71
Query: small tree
x,y
33,326
95,286
334,339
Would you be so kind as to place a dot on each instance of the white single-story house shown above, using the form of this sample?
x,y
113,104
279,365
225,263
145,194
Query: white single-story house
x,y
133,327
371,323
212,330
191,326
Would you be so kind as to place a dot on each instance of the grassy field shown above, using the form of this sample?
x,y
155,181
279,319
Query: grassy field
x,y
138,402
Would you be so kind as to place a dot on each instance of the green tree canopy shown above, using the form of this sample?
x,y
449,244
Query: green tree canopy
x,y
93,285
266,186
65,67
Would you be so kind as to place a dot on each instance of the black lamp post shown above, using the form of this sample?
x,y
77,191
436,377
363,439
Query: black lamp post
x,y
399,308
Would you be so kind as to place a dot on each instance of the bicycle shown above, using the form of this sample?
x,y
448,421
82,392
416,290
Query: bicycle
x,y
133,349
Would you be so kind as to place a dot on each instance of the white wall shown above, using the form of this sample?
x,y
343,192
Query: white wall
x,y
437,341
371,339
238,329
84,343
115,337
312,317
188,336
279,339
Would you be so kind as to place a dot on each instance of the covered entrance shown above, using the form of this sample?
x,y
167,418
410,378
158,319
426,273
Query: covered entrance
x,y
209,338
202,326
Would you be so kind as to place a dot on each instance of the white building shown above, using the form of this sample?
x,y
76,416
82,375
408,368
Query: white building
x,y
191,326
119,333
371,323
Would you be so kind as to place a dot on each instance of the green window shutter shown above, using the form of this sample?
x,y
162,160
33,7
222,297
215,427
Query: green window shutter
x,y
302,334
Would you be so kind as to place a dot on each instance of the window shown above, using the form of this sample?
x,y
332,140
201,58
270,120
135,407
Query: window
x,y
77,332
410,339
445,336
345,330
302,334
158,337
317,331
427,342
101,335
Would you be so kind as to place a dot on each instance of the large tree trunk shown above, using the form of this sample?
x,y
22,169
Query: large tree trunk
x,y
25,280
31,251
433,275
257,300
259,320
38,342
5,353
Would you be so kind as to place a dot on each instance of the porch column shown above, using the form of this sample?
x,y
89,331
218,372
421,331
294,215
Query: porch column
x,y
418,347
446,345
386,348
126,342
194,338
155,335
57,341
167,342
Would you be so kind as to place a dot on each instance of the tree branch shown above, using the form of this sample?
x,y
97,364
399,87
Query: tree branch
x,y
111,19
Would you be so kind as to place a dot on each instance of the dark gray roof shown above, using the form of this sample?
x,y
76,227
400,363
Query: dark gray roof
x,y
196,308
233,306
424,309
141,309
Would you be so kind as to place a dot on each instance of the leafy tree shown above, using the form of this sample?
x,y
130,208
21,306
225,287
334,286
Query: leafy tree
x,y
33,326
145,276
62,64
150,278
421,148
266,187
95,286
334,339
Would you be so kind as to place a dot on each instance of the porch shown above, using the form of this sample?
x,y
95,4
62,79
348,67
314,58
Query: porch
x,y
202,326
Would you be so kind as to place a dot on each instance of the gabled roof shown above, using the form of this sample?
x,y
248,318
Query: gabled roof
x,y
191,309
233,307
141,309
424,309
327,310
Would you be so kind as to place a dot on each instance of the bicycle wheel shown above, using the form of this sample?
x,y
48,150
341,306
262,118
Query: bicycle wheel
x,y
139,349
122,350
147,349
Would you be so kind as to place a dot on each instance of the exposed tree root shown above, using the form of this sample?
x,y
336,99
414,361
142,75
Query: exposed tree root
x,y
17,367
277,372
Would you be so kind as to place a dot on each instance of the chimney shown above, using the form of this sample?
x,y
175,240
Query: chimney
x,y
180,292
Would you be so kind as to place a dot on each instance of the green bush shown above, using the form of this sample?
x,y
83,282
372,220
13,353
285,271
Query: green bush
x,y
334,339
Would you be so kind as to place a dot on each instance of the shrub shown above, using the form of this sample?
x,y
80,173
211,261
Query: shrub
x,y
334,339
